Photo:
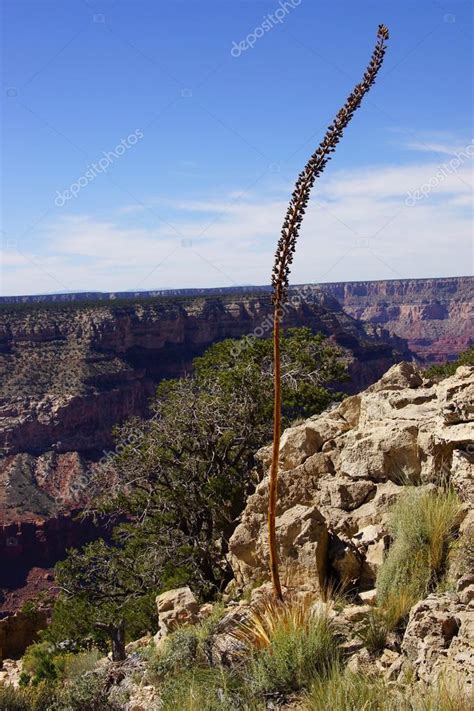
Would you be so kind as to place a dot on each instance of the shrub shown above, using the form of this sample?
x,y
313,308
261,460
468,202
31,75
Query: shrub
x,y
444,370
13,699
422,526
289,644
36,698
39,663
75,665
179,653
89,691
186,648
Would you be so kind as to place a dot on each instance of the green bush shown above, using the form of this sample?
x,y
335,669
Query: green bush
x,y
89,692
178,653
186,648
41,662
13,699
295,656
422,525
36,698
83,691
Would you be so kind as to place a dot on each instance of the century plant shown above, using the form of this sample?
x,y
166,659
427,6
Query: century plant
x,y
284,257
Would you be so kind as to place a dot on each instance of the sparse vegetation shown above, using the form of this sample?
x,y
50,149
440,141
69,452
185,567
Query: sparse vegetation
x,y
373,630
346,691
202,689
342,690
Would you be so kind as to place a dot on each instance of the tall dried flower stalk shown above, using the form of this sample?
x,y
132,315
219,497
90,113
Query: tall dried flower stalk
x,y
284,257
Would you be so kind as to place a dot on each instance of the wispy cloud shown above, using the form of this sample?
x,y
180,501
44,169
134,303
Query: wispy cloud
x,y
358,226
437,142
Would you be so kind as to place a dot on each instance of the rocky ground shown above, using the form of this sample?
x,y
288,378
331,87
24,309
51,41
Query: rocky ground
x,y
340,474
342,470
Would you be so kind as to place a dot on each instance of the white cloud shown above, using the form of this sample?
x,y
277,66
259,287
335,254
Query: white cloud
x,y
358,226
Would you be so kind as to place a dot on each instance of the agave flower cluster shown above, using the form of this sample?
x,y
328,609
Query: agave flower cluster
x,y
314,167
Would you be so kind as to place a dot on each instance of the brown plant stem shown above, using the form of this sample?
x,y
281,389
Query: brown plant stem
x,y
284,257
272,494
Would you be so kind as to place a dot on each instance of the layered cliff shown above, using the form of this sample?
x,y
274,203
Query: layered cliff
x,y
434,315
84,368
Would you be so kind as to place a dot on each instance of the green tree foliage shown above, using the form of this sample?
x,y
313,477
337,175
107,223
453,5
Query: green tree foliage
x,y
181,479
105,589
444,370
189,470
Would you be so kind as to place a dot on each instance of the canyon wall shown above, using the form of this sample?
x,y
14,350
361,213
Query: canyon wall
x,y
434,315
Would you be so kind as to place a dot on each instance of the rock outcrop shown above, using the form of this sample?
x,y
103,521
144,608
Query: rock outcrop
x,y
69,374
175,608
434,315
341,471
339,474
438,639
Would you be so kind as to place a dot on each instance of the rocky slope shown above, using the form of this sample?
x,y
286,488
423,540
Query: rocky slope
x,y
340,473
434,315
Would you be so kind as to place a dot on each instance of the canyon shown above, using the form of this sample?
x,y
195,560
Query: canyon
x,y
71,372
72,368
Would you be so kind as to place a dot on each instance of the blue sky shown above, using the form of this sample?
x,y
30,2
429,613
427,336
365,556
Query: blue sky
x,y
212,140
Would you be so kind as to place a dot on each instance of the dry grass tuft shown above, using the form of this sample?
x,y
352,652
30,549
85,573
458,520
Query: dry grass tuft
x,y
271,616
